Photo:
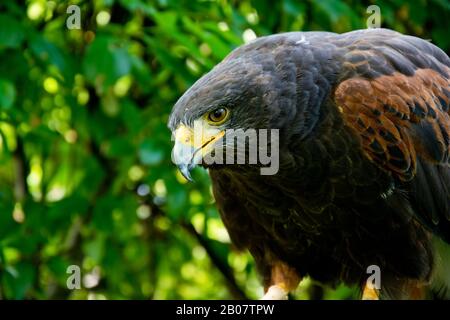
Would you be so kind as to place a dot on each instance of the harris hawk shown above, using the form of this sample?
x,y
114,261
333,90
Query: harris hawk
x,y
364,158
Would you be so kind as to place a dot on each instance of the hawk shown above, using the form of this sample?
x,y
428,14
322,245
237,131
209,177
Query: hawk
x,y
364,158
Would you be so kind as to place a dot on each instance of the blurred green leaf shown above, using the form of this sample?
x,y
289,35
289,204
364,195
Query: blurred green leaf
x,y
106,61
11,32
20,279
7,94
150,152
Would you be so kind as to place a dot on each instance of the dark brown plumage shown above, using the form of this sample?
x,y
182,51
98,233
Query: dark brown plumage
x,y
364,173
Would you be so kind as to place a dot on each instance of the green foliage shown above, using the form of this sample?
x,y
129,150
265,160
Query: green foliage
x,y
85,172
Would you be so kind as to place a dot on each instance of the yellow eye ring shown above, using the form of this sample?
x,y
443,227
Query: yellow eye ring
x,y
218,116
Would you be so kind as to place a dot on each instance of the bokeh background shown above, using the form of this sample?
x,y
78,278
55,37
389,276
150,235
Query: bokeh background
x,y
85,172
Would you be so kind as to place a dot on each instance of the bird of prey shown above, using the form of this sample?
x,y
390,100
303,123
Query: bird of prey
x,y
363,126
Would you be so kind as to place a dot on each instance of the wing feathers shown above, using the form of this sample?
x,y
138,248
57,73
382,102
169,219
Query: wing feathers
x,y
397,117
402,119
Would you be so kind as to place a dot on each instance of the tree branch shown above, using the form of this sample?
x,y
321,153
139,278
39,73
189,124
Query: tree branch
x,y
226,271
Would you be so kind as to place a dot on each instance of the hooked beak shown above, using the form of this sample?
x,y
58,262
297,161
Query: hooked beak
x,y
185,170
192,144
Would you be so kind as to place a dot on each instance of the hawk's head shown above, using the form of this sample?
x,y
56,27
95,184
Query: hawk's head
x,y
250,89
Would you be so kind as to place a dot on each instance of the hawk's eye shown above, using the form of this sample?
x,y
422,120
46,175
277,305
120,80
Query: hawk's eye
x,y
218,116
